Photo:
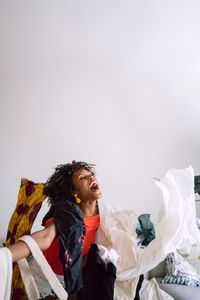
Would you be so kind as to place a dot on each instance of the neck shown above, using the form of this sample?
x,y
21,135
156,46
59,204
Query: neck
x,y
89,208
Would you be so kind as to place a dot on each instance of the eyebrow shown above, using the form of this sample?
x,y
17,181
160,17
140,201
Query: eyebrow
x,y
85,174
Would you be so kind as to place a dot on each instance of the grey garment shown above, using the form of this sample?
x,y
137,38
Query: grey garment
x,y
197,184
43,286
146,229
180,292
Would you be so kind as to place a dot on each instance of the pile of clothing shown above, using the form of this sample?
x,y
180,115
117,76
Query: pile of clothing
x,y
116,238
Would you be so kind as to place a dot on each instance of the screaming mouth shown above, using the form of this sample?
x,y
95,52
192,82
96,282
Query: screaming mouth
x,y
94,186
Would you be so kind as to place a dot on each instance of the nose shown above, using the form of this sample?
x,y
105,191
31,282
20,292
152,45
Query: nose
x,y
91,177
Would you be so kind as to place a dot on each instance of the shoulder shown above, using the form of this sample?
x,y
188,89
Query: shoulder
x,y
50,230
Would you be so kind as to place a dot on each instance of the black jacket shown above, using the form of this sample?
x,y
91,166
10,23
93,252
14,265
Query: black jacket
x,y
71,230
96,280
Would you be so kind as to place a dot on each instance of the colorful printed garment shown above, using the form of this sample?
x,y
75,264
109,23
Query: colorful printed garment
x,y
29,202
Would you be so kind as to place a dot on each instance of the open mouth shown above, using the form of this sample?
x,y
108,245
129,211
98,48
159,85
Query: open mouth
x,y
94,186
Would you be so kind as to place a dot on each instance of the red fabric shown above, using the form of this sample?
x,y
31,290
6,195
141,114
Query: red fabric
x,y
52,253
91,225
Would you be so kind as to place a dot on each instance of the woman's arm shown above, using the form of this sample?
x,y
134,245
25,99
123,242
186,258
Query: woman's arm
x,y
43,238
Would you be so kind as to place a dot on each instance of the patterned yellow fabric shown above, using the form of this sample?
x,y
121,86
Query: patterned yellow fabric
x,y
30,199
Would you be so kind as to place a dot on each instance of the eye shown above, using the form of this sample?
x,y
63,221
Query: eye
x,y
86,176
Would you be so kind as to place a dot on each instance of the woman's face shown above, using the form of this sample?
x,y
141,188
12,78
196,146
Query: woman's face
x,y
86,185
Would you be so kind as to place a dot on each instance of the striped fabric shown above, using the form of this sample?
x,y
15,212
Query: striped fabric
x,y
180,271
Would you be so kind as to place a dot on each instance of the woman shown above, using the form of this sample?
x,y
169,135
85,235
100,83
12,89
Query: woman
x,y
70,224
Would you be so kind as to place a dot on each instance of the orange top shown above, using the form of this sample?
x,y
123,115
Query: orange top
x,y
91,224
52,253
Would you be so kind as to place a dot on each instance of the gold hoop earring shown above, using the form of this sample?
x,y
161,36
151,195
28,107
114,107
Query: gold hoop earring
x,y
78,200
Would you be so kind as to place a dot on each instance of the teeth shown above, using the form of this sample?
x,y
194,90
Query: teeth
x,y
93,183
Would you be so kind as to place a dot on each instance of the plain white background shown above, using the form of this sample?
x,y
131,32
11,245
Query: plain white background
x,y
115,83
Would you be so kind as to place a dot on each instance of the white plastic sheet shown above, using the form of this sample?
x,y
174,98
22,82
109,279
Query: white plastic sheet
x,y
176,229
5,273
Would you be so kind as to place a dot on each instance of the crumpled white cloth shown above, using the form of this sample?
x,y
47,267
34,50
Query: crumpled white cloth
x,y
151,291
178,193
194,257
176,229
108,255
5,273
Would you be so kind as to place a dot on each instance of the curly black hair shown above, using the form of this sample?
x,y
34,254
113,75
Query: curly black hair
x,y
60,184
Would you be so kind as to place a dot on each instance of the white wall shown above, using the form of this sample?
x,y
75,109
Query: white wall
x,y
116,83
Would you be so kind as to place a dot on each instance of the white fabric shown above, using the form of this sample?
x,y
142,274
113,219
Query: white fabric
x,y
45,268
151,291
5,273
29,283
108,255
194,257
176,229
183,183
